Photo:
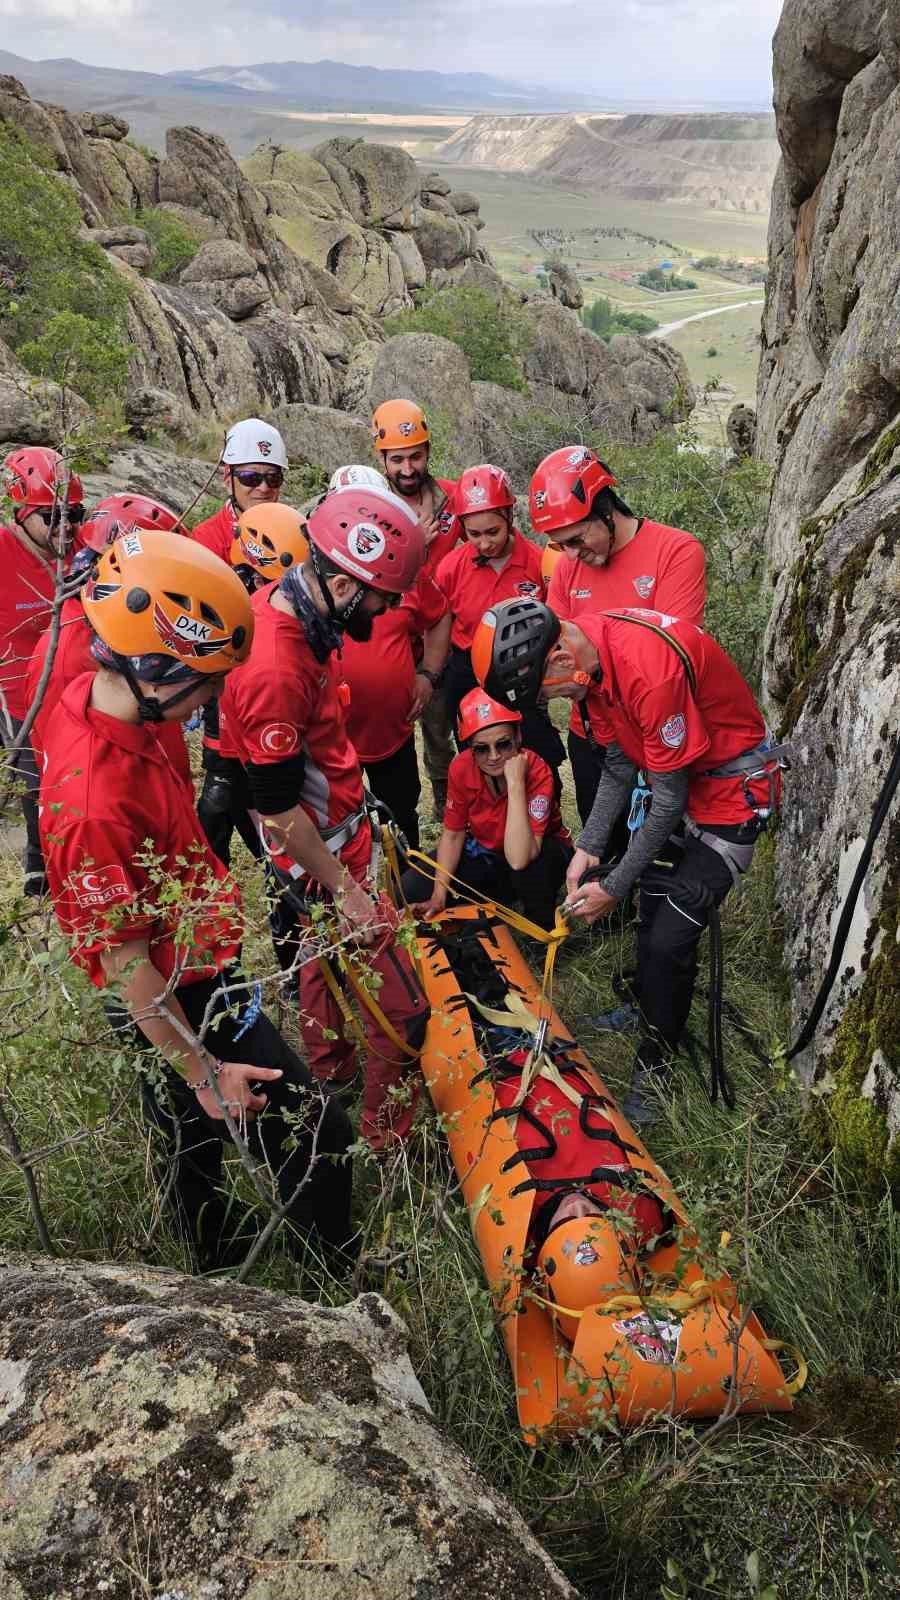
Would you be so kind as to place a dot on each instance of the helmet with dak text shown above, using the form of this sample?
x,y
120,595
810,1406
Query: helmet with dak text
x,y
122,513
370,534
154,595
478,711
399,425
509,649
583,1263
564,486
483,488
358,476
271,539
34,477
253,443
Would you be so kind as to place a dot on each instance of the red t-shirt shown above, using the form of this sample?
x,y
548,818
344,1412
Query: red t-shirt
x,y
471,590
644,702
110,801
72,658
381,674
449,534
660,567
26,596
473,808
282,702
218,531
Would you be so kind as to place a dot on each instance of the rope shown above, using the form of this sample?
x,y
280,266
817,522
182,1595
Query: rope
x,y
719,1077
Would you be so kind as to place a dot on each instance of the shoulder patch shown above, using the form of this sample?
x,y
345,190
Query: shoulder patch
x,y
538,807
100,886
279,739
673,731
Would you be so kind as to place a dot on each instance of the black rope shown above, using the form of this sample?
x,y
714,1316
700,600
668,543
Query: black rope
x,y
720,1081
888,790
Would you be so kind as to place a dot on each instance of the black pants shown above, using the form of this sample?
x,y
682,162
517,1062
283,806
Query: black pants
x,y
224,805
396,782
536,886
674,911
24,768
297,1124
538,732
587,759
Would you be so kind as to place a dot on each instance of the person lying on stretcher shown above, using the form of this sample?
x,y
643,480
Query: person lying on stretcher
x,y
503,834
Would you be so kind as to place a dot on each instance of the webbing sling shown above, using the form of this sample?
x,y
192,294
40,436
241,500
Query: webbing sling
x,y
674,644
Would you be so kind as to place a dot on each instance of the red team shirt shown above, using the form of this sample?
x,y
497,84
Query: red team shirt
x,y
473,808
381,675
283,703
217,532
26,595
109,797
661,567
71,659
644,703
471,590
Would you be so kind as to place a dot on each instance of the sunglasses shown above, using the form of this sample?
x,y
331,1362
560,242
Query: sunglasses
x,y
575,543
53,518
250,478
501,747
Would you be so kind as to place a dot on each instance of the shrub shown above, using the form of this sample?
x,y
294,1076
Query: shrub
x,y
80,353
492,333
174,243
604,319
712,351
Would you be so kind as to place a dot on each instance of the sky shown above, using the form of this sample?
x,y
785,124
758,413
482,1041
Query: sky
x,y
666,50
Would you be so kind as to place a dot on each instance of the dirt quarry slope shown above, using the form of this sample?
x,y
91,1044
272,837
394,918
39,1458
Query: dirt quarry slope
x,y
718,160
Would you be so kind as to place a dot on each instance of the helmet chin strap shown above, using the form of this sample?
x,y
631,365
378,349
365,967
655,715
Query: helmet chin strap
x,y
149,708
339,616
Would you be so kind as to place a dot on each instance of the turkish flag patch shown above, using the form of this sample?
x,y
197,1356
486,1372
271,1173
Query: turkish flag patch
x,y
279,739
100,886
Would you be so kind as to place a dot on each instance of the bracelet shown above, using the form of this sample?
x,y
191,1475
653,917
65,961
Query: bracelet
x,y
204,1084
434,678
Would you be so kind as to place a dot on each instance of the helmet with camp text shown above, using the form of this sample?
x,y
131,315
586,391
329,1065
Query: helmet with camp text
x,y
564,487
370,534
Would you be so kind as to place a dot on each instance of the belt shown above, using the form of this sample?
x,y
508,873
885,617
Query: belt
x,y
737,857
760,759
335,837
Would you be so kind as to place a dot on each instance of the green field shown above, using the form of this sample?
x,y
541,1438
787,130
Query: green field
x,y
734,337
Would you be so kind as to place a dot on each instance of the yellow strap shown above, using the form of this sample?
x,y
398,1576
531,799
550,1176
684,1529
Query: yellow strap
x,y
346,1010
681,1301
798,1381
368,1000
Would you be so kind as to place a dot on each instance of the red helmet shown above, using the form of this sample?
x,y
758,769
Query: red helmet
x,y
34,474
370,534
564,486
483,488
478,711
121,513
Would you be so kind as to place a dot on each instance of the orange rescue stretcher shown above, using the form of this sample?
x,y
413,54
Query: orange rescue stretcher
x,y
681,1346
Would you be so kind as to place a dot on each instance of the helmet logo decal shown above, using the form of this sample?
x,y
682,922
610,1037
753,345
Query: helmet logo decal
x,y
654,1339
406,428
644,585
254,550
264,446
131,545
365,541
540,499
585,1254
279,738
483,711
187,636
476,494
538,809
526,587
579,458
673,731
101,591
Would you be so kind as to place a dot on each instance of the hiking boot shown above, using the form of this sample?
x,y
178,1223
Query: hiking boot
x,y
650,1076
622,1019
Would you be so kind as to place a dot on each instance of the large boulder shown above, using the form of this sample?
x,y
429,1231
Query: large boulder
x,y
177,480
563,284
225,1442
321,436
33,410
829,423
378,184
435,373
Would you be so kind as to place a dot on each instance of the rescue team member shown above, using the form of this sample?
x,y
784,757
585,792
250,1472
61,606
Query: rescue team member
x,y
118,514
113,806
269,539
42,530
678,709
611,559
402,442
503,833
495,563
282,715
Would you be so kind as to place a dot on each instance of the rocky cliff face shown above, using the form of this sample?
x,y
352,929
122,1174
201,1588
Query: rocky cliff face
x,y
301,254
829,422
170,1437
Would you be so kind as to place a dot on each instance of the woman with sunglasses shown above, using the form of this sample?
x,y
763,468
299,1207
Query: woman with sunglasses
x,y
47,503
503,834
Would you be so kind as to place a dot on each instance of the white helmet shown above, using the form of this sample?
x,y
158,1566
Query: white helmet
x,y
253,442
358,477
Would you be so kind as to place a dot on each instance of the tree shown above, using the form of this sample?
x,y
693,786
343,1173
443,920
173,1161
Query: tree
x,y
492,332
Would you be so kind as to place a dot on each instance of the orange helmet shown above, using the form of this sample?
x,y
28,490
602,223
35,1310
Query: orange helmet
x,y
270,539
478,711
399,425
550,559
583,1263
156,595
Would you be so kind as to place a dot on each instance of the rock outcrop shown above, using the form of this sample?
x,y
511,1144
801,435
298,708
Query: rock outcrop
x,y
829,422
225,1442
32,410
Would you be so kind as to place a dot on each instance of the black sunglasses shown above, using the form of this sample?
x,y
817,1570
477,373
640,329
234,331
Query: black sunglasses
x,y
501,748
53,518
250,478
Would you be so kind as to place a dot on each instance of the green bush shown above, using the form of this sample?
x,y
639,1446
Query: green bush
x,y
174,244
54,285
665,282
492,333
604,319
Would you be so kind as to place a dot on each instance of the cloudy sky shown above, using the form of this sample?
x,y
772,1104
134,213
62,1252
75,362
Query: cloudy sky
x,y
670,50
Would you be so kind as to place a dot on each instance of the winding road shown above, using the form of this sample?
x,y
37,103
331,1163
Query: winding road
x,y
672,327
